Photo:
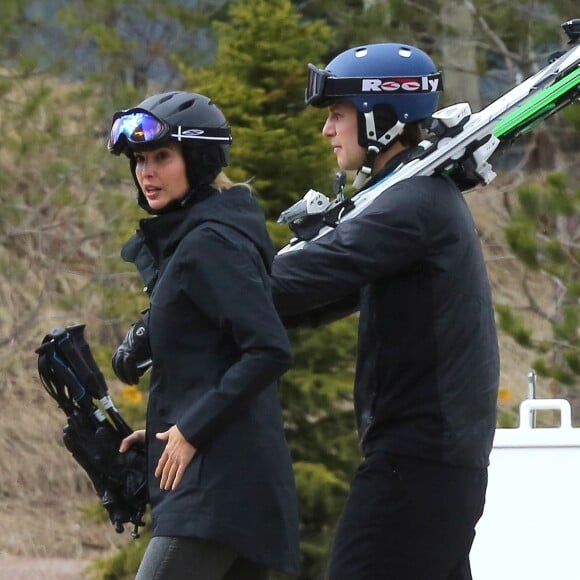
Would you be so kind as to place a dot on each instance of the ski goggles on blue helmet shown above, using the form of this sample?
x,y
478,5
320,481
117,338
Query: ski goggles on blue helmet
x,y
323,87
138,128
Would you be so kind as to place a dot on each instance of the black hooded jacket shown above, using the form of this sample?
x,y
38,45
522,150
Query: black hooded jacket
x,y
218,348
427,366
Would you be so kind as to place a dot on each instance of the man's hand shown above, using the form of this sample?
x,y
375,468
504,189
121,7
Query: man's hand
x,y
132,357
175,458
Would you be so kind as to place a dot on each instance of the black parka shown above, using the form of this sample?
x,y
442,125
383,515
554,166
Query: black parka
x,y
428,365
218,348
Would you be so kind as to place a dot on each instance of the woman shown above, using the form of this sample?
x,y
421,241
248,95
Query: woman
x,y
219,471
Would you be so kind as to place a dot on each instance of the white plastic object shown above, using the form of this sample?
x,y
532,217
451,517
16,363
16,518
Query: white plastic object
x,y
481,155
453,115
531,522
312,203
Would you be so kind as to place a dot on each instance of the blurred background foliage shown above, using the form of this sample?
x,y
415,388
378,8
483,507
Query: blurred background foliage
x,y
67,206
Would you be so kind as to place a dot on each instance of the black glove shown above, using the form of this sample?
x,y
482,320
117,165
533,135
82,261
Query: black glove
x,y
133,356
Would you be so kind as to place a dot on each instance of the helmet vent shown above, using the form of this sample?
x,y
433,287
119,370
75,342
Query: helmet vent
x,y
361,52
404,52
186,105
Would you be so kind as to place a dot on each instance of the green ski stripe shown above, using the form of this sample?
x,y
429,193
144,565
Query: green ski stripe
x,y
544,101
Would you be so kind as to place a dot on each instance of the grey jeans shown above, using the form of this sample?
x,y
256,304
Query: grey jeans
x,y
172,558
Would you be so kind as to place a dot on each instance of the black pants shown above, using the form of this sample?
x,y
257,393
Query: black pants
x,y
408,519
168,558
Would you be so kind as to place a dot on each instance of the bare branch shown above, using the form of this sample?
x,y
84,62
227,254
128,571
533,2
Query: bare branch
x,y
533,304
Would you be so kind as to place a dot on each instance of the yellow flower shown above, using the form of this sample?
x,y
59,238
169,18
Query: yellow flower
x,y
504,395
131,394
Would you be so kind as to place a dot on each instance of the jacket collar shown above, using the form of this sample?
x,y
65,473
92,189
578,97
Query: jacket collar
x,y
163,233
159,236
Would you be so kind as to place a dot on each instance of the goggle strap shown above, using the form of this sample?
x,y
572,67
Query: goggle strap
x,y
321,85
400,85
201,134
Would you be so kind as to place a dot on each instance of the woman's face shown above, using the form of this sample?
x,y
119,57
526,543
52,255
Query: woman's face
x,y
161,175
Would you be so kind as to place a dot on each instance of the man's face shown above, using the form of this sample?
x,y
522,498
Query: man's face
x,y
341,128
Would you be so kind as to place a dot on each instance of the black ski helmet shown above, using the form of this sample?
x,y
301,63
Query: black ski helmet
x,y
191,119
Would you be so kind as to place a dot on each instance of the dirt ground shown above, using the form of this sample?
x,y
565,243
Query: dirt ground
x,y
26,568
54,542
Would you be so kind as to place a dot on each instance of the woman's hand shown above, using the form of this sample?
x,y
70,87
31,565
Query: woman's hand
x,y
135,437
175,458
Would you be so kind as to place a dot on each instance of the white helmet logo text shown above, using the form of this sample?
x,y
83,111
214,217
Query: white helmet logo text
x,y
405,85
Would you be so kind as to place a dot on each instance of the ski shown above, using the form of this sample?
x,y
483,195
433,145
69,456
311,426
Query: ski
x,y
461,146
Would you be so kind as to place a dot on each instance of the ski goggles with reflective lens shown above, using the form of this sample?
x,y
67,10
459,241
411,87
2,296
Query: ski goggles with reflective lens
x,y
323,87
140,127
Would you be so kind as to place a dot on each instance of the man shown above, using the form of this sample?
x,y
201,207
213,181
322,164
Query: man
x,y
427,370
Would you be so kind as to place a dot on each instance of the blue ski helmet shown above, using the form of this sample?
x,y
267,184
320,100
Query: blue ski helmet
x,y
398,75
390,85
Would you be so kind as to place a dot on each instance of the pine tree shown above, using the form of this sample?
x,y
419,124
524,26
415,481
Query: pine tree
x,y
258,78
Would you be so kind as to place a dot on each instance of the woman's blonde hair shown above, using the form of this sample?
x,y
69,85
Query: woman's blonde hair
x,y
222,182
